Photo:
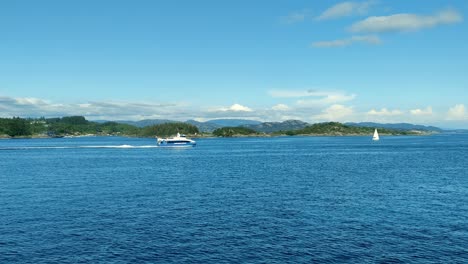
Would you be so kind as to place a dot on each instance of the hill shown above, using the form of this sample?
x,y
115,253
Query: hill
x,y
233,122
234,131
398,126
60,126
169,129
204,126
78,125
338,129
146,122
207,126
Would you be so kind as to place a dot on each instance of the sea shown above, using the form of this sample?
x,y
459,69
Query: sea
x,y
403,199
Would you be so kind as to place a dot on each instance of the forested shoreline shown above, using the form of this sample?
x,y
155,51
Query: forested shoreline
x,y
17,127
78,126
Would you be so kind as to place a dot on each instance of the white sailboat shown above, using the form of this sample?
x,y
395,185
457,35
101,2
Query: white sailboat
x,y
376,135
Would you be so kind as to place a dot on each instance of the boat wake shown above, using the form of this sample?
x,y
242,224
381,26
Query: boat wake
x,y
120,146
79,147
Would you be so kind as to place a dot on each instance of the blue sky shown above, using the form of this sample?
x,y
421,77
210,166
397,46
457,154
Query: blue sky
x,y
385,61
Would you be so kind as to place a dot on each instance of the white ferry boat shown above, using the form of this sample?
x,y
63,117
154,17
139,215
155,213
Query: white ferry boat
x,y
177,141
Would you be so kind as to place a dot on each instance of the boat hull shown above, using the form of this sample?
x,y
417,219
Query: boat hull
x,y
177,145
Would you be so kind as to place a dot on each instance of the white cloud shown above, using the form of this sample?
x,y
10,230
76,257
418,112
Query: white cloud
x,y
406,22
322,106
34,107
335,112
313,98
326,100
457,112
345,9
369,39
84,105
30,101
295,17
422,112
112,110
280,107
237,108
332,96
384,112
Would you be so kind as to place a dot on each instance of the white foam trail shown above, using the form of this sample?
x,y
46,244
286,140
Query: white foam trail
x,y
79,147
13,148
119,146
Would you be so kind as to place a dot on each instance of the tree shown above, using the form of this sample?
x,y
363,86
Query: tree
x,y
169,129
232,131
18,127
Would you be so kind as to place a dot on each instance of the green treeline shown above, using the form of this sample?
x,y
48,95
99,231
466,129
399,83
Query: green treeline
x,y
169,129
339,129
78,125
319,129
15,127
234,131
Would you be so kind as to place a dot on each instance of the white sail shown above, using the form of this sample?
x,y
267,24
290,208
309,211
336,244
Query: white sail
x,y
376,135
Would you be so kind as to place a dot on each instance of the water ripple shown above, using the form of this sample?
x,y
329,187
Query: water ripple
x,y
272,200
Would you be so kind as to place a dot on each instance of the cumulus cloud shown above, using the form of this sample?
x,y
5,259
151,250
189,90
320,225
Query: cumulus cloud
x,y
368,39
280,107
335,112
27,106
406,22
112,110
422,112
34,107
308,99
457,112
384,112
236,108
346,9
209,114
28,101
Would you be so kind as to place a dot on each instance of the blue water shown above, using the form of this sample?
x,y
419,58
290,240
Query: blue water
x,y
239,200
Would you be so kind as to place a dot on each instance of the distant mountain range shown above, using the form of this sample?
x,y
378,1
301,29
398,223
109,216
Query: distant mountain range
x,y
270,127
207,126
233,122
146,122
211,125
204,126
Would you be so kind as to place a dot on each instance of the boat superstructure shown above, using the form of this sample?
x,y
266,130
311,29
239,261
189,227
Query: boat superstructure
x,y
177,141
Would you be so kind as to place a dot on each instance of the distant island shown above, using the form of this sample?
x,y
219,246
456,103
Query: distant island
x,y
235,132
78,126
17,127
